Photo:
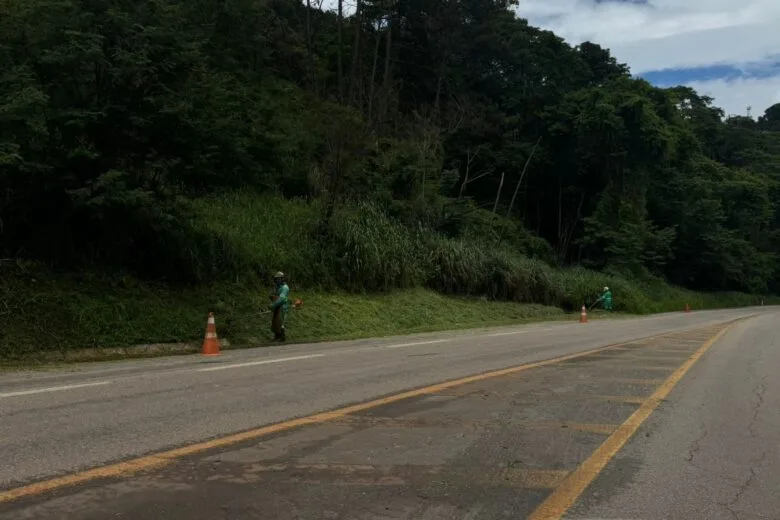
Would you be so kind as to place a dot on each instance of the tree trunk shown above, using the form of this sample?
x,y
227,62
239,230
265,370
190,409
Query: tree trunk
x,y
517,189
309,53
334,185
341,49
439,81
353,71
560,208
522,175
387,75
469,159
568,234
498,193
388,49
372,85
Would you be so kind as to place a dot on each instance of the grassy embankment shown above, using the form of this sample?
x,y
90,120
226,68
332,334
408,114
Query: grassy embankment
x,y
415,282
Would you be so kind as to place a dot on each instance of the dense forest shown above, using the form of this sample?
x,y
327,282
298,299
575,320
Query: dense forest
x,y
429,143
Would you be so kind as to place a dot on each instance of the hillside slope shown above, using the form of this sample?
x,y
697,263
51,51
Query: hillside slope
x,y
159,159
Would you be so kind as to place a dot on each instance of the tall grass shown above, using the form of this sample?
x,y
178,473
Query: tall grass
x,y
369,251
246,235
364,250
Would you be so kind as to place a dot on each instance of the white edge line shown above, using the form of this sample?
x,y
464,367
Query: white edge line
x,y
255,363
51,389
525,331
401,345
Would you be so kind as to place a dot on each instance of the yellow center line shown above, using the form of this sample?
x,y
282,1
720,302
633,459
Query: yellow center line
x,y
630,381
601,428
526,478
644,356
618,366
628,399
157,460
563,498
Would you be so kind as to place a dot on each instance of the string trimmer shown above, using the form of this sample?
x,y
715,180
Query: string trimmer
x,y
297,304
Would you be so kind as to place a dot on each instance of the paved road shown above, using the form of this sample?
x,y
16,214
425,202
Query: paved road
x,y
713,451
495,448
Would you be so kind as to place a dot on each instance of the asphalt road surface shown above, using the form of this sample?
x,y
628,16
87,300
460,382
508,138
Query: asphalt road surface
x,y
676,418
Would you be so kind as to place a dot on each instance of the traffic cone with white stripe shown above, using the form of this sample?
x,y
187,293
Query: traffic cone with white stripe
x,y
211,342
584,315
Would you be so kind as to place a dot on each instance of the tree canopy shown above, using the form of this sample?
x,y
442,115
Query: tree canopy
x,y
458,117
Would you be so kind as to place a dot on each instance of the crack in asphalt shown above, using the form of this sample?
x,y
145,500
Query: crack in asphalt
x,y
695,446
729,506
759,390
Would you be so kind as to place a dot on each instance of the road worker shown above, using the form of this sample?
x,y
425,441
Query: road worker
x,y
280,306
606,299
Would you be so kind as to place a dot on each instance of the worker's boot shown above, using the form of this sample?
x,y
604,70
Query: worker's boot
x,y
282,336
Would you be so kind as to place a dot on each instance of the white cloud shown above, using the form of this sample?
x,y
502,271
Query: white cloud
x,y
734,96
663,34
726,45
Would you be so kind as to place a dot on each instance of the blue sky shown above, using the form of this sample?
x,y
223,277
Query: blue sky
x,y
726,49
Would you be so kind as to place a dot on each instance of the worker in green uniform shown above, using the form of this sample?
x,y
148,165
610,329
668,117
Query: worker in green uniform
x,y
280,306
606,299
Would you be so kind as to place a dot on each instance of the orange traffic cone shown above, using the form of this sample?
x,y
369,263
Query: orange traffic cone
x,y
687,308
211,342
584,315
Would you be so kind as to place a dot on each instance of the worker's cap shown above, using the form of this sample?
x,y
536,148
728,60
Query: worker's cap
x,y
606,288
279,274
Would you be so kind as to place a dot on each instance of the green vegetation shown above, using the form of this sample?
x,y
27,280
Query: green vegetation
x,y
105,309
160,158
79,317
85,311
